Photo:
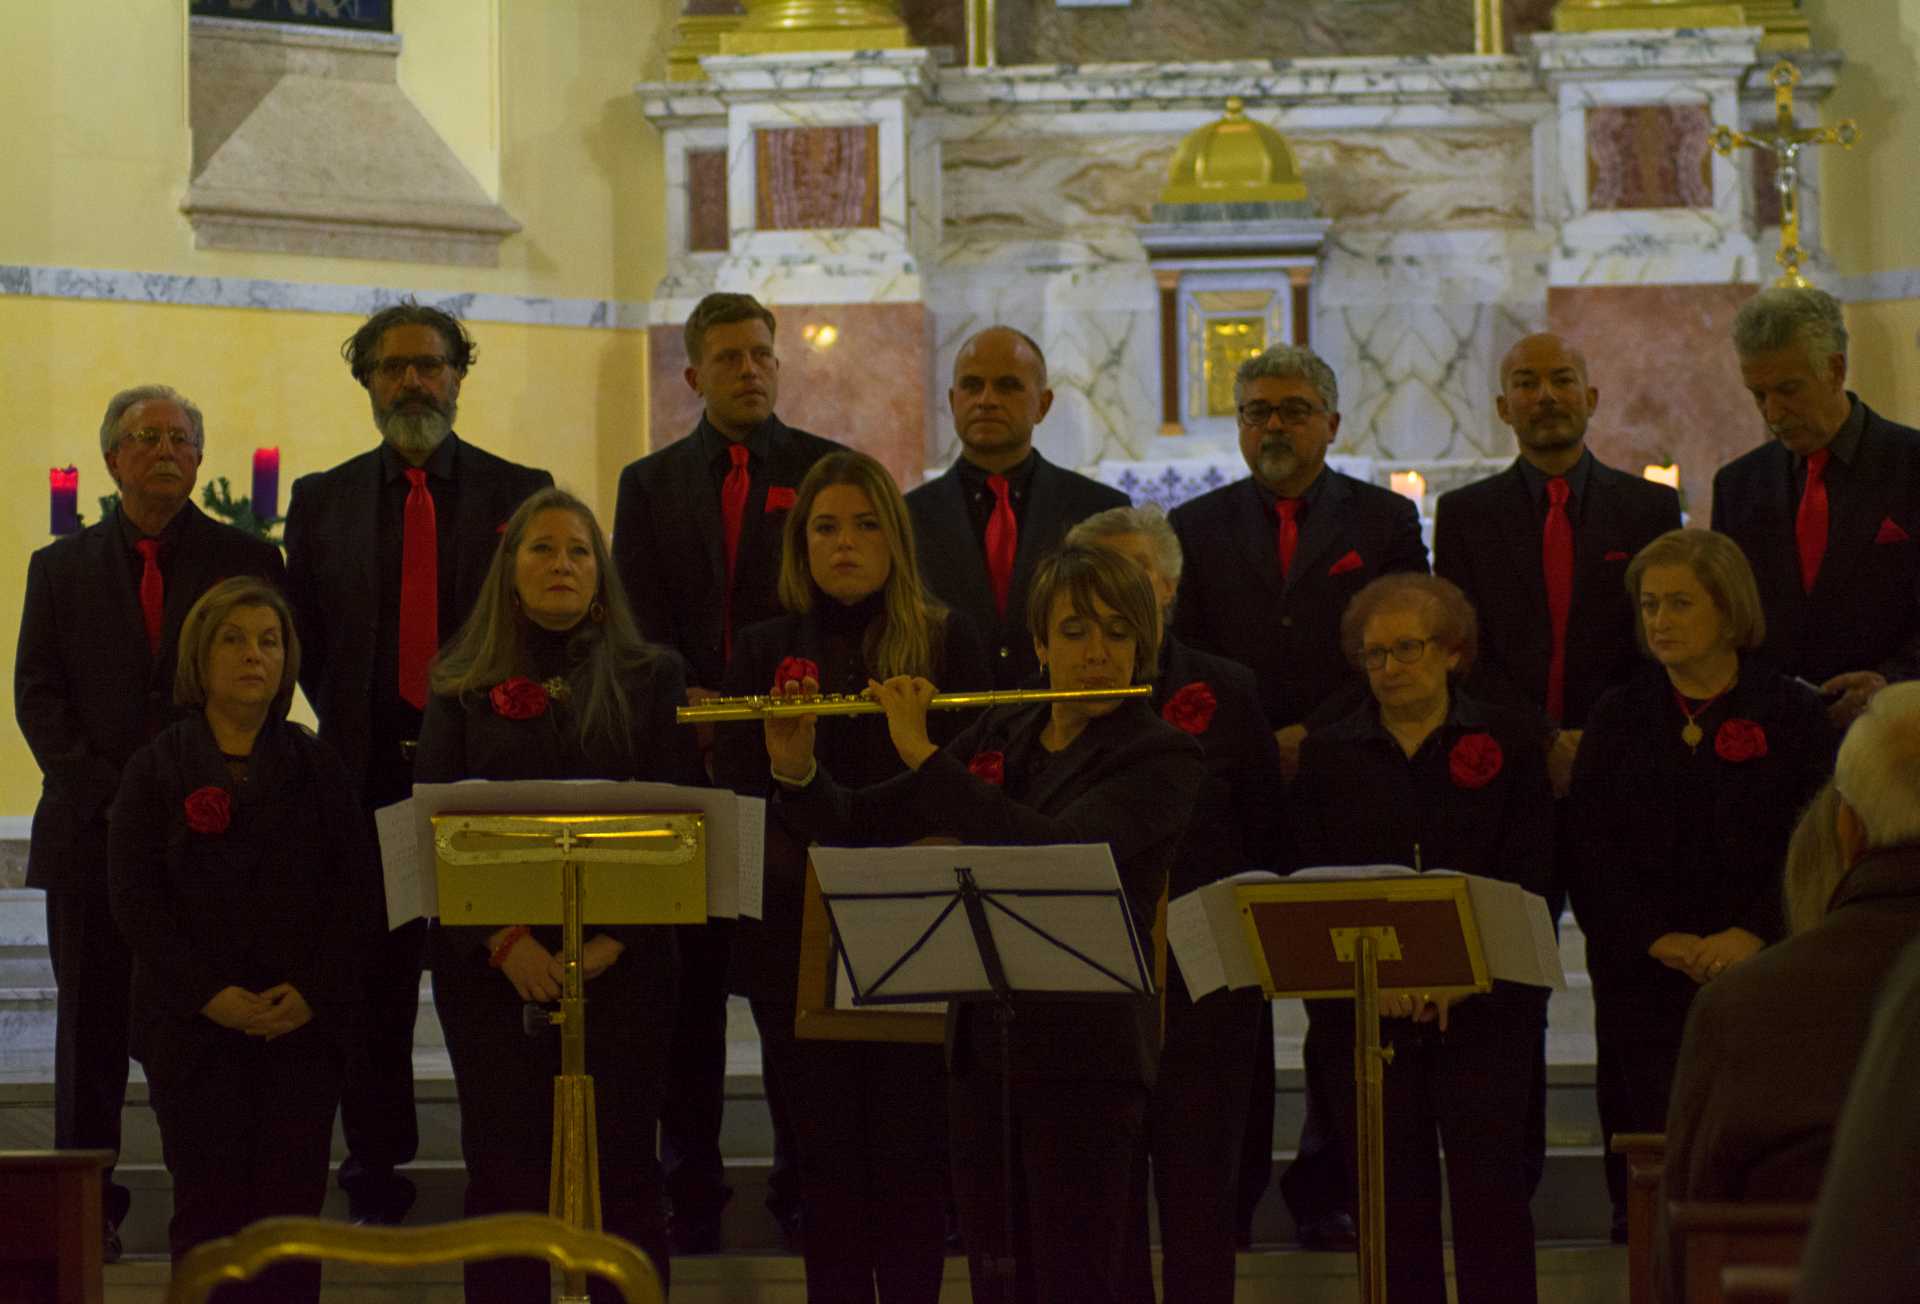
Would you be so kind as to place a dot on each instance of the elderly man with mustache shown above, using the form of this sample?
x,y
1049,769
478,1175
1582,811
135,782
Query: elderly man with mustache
x,y
385,556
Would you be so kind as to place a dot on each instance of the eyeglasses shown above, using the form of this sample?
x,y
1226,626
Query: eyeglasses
x,y
1293,412
428,369
1406,651
151,439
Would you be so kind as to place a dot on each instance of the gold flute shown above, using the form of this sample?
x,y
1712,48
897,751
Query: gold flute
x,y
719,710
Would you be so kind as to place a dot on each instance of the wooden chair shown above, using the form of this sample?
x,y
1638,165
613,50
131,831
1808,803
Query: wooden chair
x,y
1711,1236
50,1240
1750,1284
1646,1156
271,1240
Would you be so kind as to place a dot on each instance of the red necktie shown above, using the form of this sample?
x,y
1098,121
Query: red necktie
x,y
1003,541
1556,563
733,511
419,591
153,591
1288,536
1810,525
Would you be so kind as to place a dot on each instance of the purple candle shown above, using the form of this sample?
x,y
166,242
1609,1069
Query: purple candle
x,y
65,486
266,483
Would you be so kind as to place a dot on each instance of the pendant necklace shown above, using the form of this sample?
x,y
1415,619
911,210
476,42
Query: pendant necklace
x,y
1691,733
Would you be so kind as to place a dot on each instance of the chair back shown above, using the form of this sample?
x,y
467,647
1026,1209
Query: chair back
x,y
1646,1158
1714,1235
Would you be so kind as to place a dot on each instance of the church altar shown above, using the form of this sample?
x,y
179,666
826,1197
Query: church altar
x,y
888,204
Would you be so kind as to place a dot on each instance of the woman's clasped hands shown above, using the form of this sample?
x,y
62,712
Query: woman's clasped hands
x,y
277,1011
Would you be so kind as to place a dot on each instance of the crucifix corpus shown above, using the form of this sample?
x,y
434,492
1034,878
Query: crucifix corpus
x,y
1784,142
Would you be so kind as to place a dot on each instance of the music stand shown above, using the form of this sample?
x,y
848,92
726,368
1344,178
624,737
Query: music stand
x,y
488,871
1357,938
984,924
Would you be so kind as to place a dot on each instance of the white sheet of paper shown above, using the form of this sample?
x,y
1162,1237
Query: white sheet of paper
x,y
752,814
1205,935
723,809
400,863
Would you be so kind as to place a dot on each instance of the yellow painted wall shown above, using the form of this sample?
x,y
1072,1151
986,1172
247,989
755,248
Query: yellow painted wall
x,y
534,96
1884,356
1871,192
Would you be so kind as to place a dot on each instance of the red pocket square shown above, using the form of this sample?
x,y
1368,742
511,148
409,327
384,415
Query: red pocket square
x,y
1891,533
1617,555
500,528
779,498
1350,562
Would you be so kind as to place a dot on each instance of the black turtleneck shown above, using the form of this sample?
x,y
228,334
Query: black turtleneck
x,y
843,629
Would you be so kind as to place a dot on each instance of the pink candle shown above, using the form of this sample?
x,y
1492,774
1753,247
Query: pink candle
x,y
65,487
266,483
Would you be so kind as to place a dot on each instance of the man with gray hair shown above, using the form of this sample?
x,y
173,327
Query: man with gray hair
x,y
1271,562
93,681
1828,510
1771,1043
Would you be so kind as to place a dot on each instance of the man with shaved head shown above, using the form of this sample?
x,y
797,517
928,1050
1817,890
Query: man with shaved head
x,y
1001,507
1541,550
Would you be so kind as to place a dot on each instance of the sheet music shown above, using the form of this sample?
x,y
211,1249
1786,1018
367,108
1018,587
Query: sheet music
x,y
752,814
400,863
1205,935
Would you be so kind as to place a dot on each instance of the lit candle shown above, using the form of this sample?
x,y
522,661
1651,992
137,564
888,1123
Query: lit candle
x,y
1668,475
65,486
1410,484
266,483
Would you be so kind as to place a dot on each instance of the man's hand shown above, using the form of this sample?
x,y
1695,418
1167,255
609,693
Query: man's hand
x,y
1289,739
533,970
1855,688
905,699
1675,950
286,1010
1560,754
1720,951
790,737
597,956
235,1008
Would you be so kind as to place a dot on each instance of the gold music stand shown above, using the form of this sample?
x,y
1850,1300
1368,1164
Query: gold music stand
x,y
1357,938
489,871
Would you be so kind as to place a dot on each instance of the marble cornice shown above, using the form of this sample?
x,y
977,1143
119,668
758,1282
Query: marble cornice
x,y
1627,55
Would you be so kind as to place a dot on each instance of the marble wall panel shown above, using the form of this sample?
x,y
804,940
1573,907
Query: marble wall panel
x,y
707,200
1648,156
1669,385
864,384
813,178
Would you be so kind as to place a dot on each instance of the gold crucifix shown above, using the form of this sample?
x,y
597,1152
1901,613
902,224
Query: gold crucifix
x,y
1785,141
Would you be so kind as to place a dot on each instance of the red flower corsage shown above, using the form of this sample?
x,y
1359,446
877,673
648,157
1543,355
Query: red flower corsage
x,y
209,810
797,669
990,767
1739,740
519,698
1475,760
1191,709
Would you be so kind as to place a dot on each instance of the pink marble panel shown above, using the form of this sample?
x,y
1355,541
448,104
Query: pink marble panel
x,y
811,178
1766,186
1648,156
1670,390
857,373
707,200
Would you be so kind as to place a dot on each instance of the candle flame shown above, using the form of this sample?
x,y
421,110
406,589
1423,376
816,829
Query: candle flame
x,y
1668,475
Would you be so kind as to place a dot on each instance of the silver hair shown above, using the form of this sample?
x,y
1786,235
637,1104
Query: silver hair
x,y
1285,362
1148,520
1878,773
1782,317
117,407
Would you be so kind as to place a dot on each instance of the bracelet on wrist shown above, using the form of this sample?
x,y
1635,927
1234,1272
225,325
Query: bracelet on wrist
x,y
508,940
813,768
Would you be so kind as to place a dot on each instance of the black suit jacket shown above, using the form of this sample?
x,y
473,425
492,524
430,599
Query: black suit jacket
x,y
1128,780
87,692
1233,600
1486,539
668,547
1864,611
1771,1045
955,568
333,576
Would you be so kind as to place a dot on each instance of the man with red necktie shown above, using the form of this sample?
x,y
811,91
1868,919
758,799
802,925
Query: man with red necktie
x,y
696,538
983,525
1541,551
1828,510
386,553
93,681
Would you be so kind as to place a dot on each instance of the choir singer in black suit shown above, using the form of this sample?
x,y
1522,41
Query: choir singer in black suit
x,y
1197,1118
1426,776
385,556
92,683
238,861
870,1118
549,680
1068,772
1685,793
1827,510
1001,507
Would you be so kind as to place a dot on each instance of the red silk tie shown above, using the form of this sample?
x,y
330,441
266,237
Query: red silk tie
x,y
1287,538
1810,524
733,511
419,590
1003,541
153,591
1556,563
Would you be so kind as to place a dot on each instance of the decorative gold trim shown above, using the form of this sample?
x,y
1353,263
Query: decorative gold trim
x,y
1624,15
816,26
697,34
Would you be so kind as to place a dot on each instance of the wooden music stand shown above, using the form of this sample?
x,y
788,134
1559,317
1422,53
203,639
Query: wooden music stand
x,y
489,869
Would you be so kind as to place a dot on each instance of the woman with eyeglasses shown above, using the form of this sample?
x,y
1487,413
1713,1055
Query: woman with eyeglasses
x,y
1425,777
